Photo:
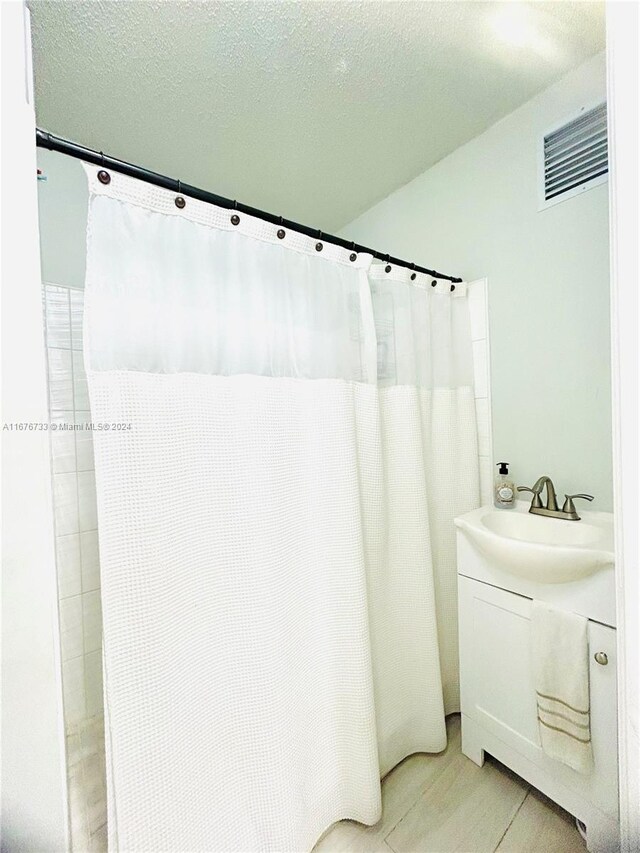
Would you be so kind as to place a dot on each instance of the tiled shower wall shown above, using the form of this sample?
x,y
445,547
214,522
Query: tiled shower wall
x,y
78,568
479,317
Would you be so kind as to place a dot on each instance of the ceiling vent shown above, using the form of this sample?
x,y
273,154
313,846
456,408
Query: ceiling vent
x,y
574,157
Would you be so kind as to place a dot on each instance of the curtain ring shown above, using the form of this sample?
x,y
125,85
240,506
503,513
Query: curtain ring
x,y
179,199
319,246
413,275
103,176
388,266
281,233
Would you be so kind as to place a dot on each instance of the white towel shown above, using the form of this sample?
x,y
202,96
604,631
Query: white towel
x,y
560,650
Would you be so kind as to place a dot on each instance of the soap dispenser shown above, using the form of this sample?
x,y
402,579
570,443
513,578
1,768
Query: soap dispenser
x,y
504,490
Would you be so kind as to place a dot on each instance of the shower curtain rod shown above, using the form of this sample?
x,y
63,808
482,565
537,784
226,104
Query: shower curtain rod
x,y
73,149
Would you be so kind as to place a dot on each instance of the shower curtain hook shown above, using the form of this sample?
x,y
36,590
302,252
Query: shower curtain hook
x,y
103,176
179,201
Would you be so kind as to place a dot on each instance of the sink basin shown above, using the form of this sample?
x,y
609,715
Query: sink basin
x,y
546,550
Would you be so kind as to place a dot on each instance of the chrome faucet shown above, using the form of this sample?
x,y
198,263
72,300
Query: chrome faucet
x,y
551,510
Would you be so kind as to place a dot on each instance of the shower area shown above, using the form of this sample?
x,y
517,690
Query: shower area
x,y
77,562
282,431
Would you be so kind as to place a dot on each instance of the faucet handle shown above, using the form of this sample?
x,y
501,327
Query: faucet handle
x,y
536,502
568,505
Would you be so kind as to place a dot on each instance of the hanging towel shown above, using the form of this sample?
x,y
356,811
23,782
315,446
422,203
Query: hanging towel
x,y
561,674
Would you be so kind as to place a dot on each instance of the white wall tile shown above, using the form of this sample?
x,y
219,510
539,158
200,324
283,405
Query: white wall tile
x,y
56,304
65,503
74,690
84,442
71,631
92,621
477,301
486,480
68,565
87,501
483,420
481,368
60,380
80,388
77,303
90,560
78,570
63,444
93,683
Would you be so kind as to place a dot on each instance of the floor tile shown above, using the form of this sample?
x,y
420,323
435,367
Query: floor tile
x,y
400,790
431,804
540,826
98,843
467,808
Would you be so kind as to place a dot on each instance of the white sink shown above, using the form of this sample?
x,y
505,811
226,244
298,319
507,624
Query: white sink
x,y
546,550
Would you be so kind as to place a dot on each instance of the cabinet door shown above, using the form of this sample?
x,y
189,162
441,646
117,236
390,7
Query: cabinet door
x,y
498,693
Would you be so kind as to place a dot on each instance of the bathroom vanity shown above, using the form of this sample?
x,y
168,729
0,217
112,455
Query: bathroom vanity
x,y
506,559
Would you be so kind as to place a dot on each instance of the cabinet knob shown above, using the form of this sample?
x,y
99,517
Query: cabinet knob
x,y
601,658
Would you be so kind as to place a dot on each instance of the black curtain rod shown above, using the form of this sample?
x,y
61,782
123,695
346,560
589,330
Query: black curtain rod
x,y
65,146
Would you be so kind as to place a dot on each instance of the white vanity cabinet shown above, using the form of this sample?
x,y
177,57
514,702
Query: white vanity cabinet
x,y
498,699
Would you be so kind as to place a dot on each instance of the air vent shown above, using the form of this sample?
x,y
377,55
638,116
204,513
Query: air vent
x,y
574,157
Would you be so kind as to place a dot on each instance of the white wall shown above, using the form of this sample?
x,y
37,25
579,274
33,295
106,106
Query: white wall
x,y
623,36
475,214
63,199
34,815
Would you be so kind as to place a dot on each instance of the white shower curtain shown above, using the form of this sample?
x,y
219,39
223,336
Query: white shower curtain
x,y
290,433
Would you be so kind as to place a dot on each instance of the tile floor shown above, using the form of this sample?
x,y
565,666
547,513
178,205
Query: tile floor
x,y
431,804
87,786
442,803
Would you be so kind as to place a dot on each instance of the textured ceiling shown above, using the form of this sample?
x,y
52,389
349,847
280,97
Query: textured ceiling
x,y
314,110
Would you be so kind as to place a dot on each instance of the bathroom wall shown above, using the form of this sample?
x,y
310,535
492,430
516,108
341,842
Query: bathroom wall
x,y
475,214
34,814
479,322
78,566
63,199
